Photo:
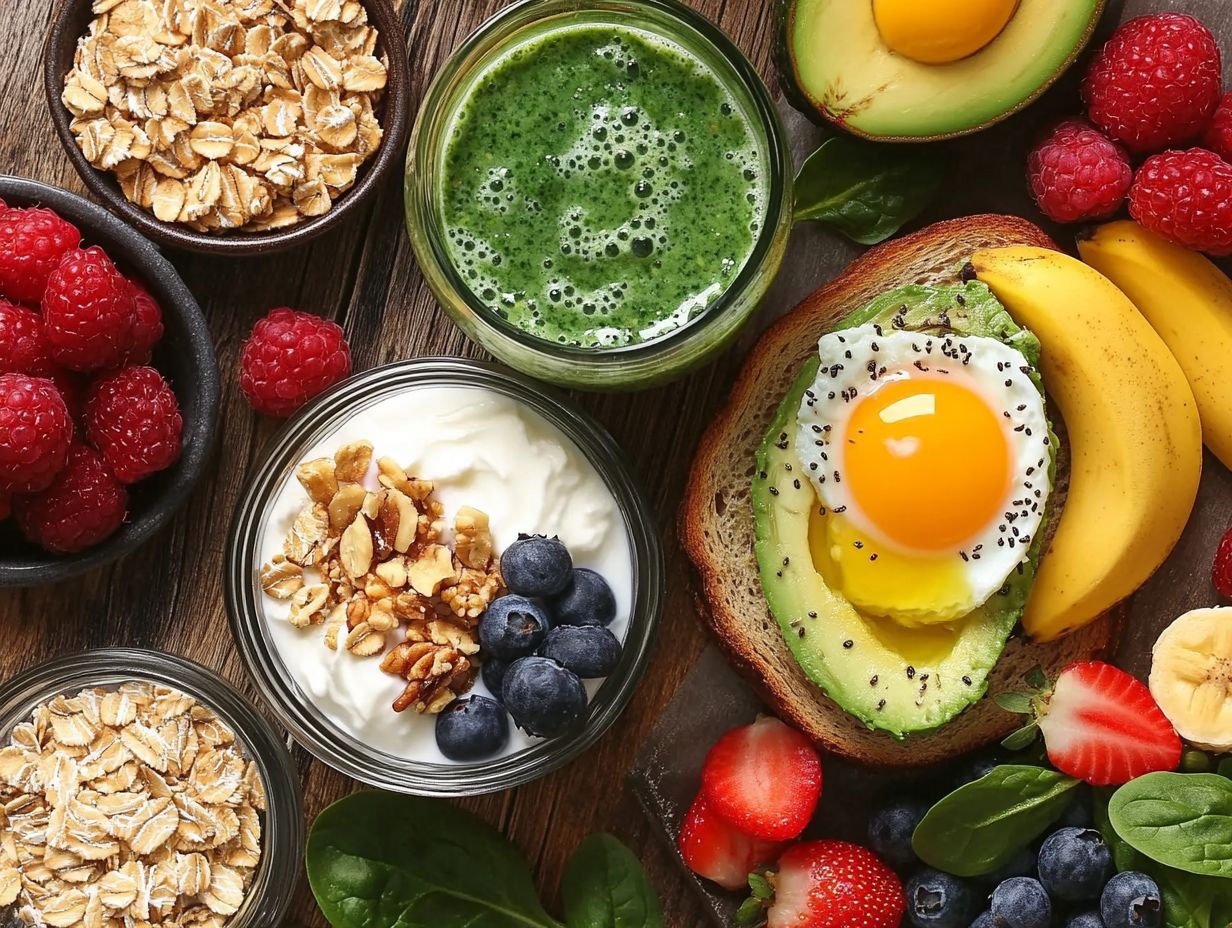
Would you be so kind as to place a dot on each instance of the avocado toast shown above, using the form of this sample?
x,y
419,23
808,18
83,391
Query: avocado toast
x,y
831,678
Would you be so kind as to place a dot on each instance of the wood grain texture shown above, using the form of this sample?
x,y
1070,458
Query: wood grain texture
x,y
169,596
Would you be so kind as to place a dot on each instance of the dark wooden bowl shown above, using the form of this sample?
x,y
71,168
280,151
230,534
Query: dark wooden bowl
x,y
70,22
186,358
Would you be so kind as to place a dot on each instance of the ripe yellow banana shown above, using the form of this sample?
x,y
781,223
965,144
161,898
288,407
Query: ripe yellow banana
x,y
1134,437
1191,677
1188,301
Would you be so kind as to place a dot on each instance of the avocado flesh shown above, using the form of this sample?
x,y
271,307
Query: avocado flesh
x,y
848,73
894,678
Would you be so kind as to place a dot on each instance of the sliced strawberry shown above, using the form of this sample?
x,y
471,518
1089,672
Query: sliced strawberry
x,y
764,778
712,848
833,884
1103,726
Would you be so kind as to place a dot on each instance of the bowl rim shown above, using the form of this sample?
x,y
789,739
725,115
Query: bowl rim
x,y
198,438
395,123
326,739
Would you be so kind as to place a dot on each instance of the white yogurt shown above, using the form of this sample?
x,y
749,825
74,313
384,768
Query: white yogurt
x,y
481,449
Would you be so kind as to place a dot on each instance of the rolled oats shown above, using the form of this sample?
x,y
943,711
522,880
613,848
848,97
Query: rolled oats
x,y
125,808
228,114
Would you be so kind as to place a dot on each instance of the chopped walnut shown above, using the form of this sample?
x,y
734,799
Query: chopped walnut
x,y
470,594
432,570
281,578
353,461
472,538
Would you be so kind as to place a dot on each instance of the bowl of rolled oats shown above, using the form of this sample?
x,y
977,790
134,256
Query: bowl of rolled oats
x,y
229,126
141,788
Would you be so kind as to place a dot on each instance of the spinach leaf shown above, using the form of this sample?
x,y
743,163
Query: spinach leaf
x,y
982,825
605,886
376,860
1181,820
866,191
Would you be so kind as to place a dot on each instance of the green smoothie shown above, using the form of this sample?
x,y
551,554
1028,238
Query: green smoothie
x,y
601,187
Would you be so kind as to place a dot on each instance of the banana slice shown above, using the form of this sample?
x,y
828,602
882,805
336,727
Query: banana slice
x,y
1191,677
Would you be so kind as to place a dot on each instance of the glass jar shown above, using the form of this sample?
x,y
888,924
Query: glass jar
x,y
631,366
273,886
333,742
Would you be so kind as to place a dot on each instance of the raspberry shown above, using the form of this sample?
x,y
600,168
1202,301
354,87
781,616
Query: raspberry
x,y
1221,572
289,358
32,242
1156,83
1218,137
133,418
148,328
81,508
90,312
1186,196
23,342
35,432
1076,173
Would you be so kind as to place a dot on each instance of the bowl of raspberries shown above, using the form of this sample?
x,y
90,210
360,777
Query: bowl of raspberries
x,y
108,386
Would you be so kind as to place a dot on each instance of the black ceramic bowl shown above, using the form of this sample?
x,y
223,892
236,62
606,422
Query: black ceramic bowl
x,y
186,358
71,21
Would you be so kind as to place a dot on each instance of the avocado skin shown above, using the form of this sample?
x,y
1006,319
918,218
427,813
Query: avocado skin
x,y
892,678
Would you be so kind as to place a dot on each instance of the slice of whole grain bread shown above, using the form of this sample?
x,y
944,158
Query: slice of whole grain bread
x,y
716,517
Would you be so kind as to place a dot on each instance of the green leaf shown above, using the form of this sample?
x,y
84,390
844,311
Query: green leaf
x,y
1181,820
864,190
1021,739
1018,703
376,860
760,886
604,886
1036,678
751,912
981,826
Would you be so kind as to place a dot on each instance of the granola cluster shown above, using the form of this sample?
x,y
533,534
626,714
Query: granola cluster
x,y
124,808
374,569
228,114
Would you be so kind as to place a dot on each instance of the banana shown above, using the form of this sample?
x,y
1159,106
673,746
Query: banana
x,y
1134,436
1191,677
1188,301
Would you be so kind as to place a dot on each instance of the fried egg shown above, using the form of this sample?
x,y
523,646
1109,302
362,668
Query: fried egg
x,y
941,31
930,456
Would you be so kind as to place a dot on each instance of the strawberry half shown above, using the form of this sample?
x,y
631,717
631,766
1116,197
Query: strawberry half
x,y
712,848
764,778
1099,723
826,884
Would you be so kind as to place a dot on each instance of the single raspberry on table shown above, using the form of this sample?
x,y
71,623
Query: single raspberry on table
x,y
1077,173
1186,197
1218,137
291,357
83,507
32,242
1156,83
90,312
1221,572
36,431
23,342
133,418
147,328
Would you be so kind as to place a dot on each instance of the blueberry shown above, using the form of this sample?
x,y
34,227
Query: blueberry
x,y
536,566
1021,902
1074,864
1131,900
512,627
494,675
472,728
1078,814
983,920
585,600
543,697
1084,920
938,900
1021,864
590,651
890,828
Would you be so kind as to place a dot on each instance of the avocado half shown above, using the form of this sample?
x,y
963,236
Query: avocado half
x,y
834,58
894,678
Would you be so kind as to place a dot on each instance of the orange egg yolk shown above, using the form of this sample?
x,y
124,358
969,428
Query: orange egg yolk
x,y
927,461
941,31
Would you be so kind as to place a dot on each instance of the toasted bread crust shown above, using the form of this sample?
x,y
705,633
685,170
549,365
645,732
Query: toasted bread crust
x,y
716,520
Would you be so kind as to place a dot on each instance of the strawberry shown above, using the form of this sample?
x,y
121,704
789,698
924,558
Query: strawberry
x,y
764,778
712,848
1099,724
826,884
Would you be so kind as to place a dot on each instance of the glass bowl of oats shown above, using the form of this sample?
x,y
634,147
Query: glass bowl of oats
x,y
239,127
141,788
367,549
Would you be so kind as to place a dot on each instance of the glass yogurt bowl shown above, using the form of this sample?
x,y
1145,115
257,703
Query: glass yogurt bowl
x,y
274,882
338,705
650,359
